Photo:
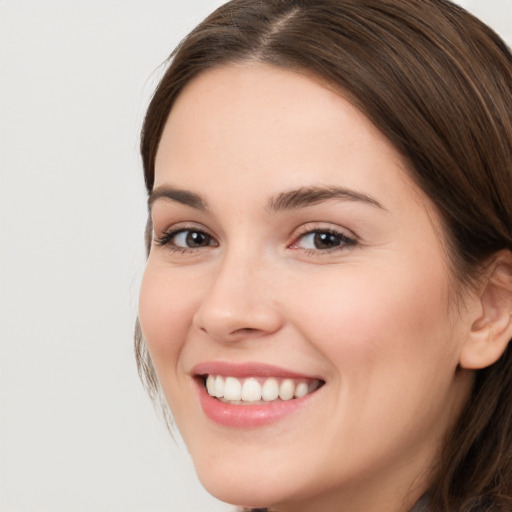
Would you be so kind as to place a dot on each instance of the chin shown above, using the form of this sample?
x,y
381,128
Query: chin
x,y
252,487
243,492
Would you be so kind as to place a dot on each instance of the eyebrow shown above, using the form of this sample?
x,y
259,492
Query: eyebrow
x,y
289,200
179,196
308,196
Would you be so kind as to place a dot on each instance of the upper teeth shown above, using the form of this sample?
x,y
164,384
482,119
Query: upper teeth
x,y
253,389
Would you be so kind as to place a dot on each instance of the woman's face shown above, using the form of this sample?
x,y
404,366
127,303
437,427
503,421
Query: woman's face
x,y
294,256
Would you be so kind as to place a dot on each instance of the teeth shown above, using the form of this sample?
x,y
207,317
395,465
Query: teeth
x,y
219,386
301,389
270,390
210,385
286,389
251,390
231,389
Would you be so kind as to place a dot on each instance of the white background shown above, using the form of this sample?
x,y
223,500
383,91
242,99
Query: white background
x,y
77,431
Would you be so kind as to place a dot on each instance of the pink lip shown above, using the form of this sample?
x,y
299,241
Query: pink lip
x,y
242,370
246,416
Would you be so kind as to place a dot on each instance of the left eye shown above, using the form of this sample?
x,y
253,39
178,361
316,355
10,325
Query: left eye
x,y
323,240
185,239
190,239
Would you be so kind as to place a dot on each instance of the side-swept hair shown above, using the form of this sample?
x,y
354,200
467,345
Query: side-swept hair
x,y
437,82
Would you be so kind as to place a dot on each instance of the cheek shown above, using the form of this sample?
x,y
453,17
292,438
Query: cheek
x,y
391,324
392,360
165,316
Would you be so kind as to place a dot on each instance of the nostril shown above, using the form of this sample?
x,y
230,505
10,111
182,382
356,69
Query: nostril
x,y
237,318
247,330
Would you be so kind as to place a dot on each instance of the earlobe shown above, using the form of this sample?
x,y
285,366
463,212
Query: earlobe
x,y
491,330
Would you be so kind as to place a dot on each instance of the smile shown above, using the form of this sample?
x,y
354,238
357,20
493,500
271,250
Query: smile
x,y
258,390
251,395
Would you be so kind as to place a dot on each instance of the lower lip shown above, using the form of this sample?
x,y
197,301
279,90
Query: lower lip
x,y
247,416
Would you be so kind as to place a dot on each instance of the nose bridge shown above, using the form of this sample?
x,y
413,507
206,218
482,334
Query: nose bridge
x,y
239,302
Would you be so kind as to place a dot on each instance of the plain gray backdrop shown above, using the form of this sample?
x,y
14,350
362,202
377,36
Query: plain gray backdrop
x,y
77,432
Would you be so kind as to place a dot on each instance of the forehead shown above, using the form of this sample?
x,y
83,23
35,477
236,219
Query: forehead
x,y
253,124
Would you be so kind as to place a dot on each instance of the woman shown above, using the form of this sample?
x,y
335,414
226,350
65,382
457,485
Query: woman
x,y
327,301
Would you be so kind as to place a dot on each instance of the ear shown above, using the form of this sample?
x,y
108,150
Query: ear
x,y
491,329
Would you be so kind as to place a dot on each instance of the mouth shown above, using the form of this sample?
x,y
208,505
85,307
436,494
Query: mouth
x,y
257,390
251,395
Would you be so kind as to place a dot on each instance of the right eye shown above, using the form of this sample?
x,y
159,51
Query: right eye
x,y
185,239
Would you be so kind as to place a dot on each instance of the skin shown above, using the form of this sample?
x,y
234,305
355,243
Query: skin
x,y
372,318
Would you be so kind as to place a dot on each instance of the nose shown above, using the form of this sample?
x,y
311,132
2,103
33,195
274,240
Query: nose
x,y
240,302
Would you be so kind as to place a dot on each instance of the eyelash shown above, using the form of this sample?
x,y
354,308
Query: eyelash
x,y
165,239
344,241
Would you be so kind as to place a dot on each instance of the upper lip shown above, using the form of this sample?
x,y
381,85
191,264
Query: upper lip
x,y
249,369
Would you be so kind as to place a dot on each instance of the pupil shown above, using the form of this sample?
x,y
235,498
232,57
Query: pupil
x,y
326,240
196,239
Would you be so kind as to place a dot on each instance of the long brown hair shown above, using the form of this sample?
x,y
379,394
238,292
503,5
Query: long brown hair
x,y
438,83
